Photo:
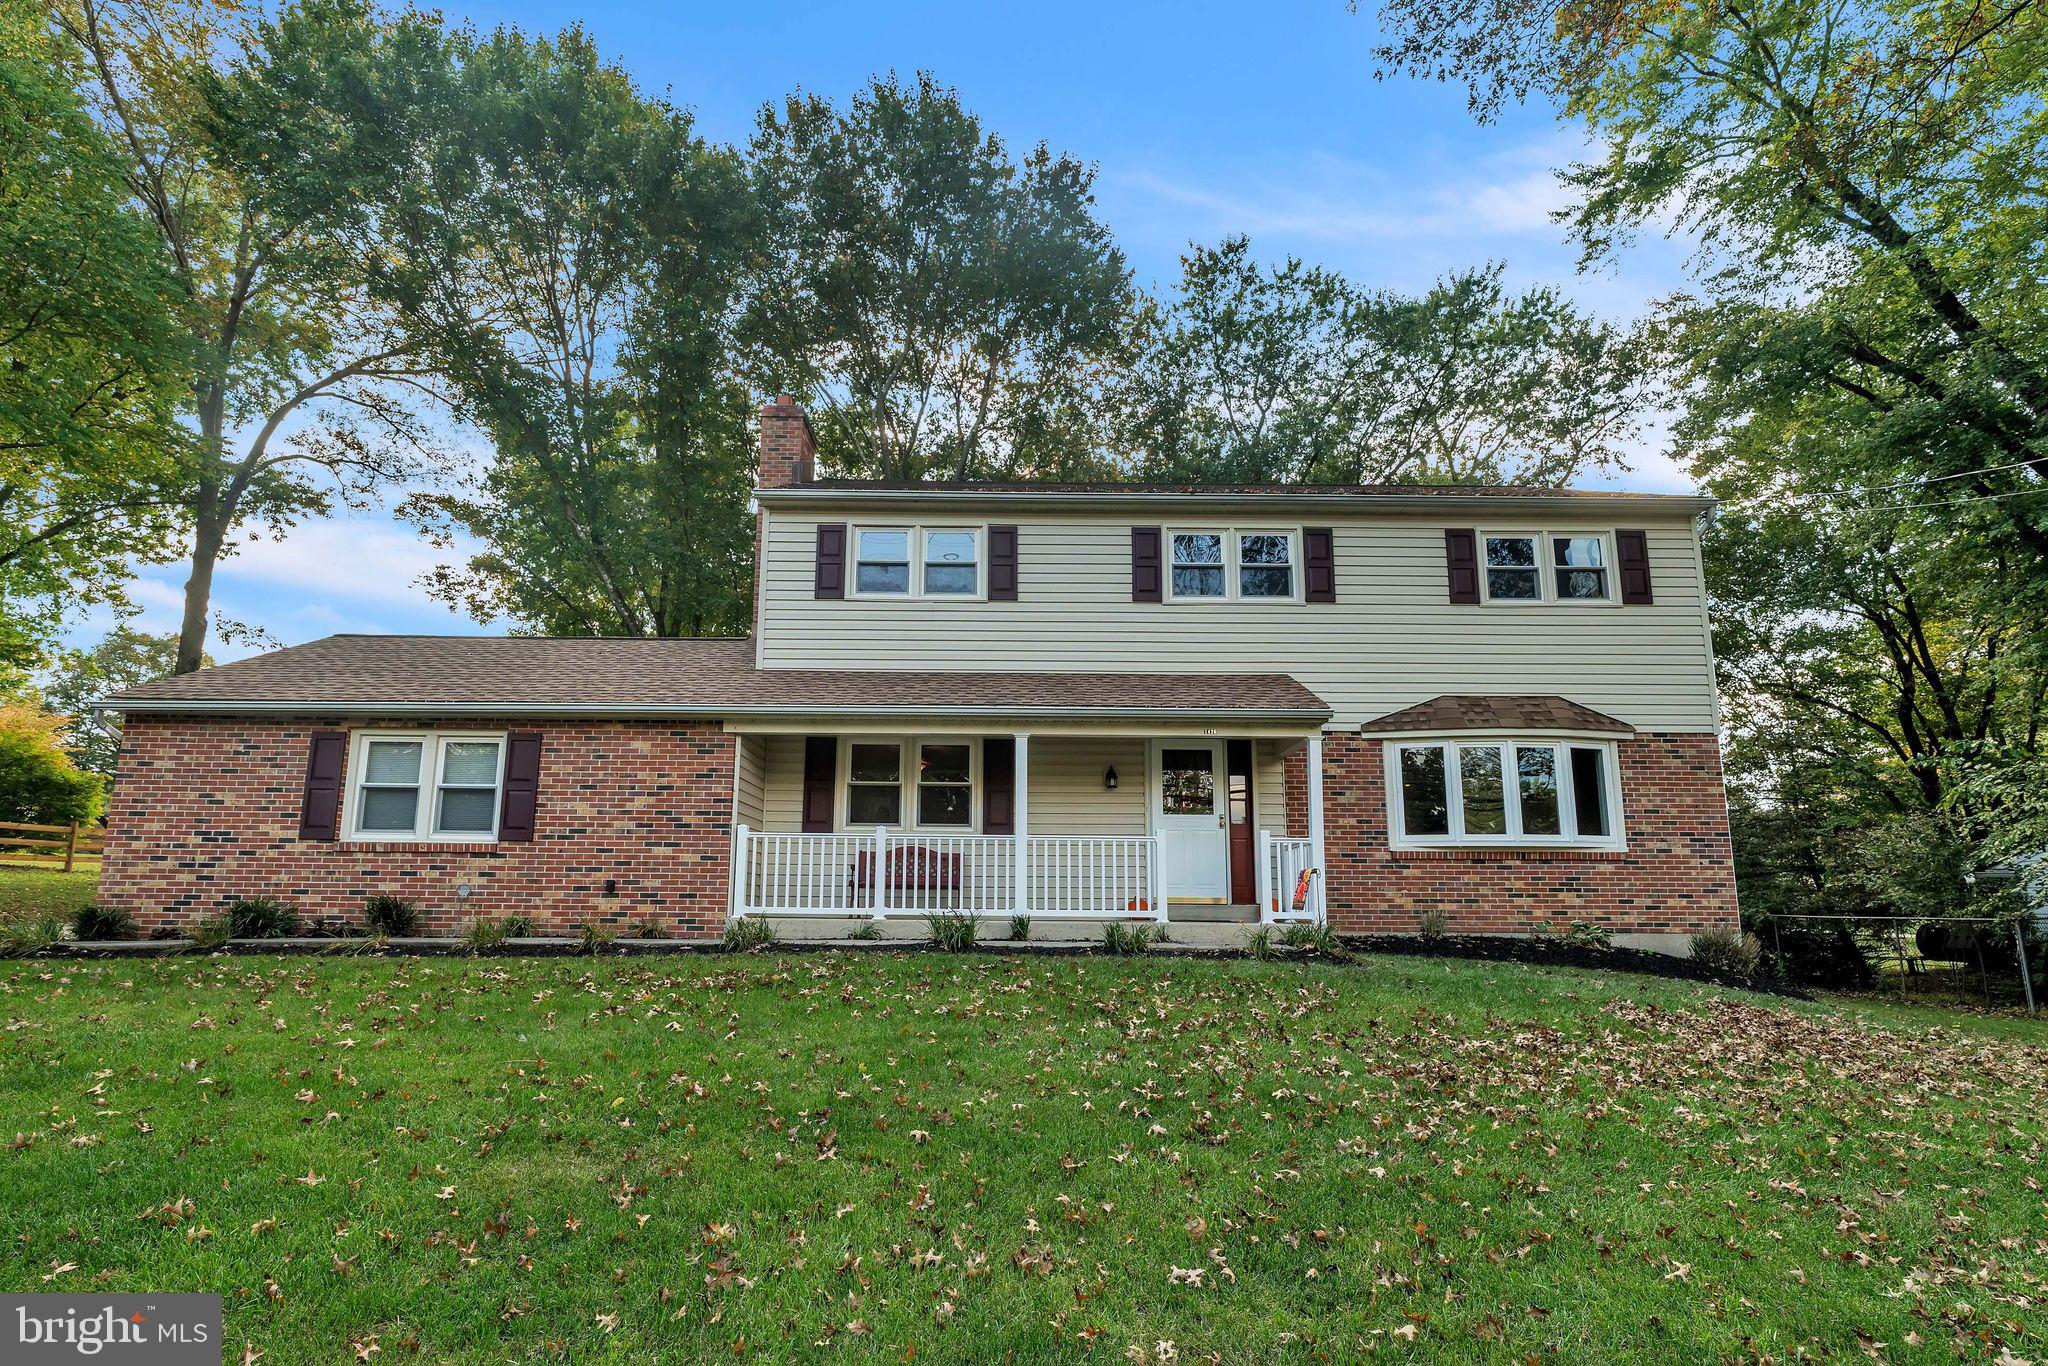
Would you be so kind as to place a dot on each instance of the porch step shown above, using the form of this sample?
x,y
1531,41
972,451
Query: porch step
x,y
1207,913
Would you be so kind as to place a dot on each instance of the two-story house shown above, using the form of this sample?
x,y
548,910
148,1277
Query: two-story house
x,y
1074,702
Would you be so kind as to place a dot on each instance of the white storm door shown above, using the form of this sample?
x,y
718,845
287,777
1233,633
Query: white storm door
x,y
1187,816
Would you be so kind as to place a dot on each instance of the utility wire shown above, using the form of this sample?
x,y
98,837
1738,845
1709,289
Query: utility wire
x,y
1886,488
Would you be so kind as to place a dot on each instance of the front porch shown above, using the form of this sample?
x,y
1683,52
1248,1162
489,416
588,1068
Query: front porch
x,y
1070,829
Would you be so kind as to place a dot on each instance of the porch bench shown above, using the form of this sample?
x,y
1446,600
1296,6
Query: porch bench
x,y
907,868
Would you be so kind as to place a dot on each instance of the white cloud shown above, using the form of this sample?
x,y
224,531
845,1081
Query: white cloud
x,y
350,558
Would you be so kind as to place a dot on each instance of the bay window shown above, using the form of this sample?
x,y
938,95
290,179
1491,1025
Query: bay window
x,y
1504,792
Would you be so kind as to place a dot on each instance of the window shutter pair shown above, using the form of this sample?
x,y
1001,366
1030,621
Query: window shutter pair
x,y
828,577
1318,564
320,805
998,784
1631,549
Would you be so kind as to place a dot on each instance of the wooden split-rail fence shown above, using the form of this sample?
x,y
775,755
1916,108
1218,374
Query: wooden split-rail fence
x,y
49,846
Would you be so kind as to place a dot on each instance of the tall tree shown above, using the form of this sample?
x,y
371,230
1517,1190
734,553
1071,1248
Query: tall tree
x,y
91,364
123,658
1866,180
572,263
947,309
301,397
1290,373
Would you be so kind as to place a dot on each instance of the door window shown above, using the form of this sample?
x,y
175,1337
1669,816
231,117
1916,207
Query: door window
x,y
1187,782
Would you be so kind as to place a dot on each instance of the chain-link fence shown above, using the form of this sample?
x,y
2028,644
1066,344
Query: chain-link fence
x,y
1954,959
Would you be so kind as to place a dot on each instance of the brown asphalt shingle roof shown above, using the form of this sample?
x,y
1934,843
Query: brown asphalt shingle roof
x,y
1454,711
359,672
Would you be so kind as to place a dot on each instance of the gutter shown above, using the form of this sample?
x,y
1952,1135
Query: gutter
x,y
1687,503
143,706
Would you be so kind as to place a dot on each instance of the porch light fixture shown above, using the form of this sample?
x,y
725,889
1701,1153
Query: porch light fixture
x,y
1109,777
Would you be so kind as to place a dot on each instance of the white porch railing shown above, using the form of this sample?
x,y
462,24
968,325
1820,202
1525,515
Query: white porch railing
x,y
1290,882
835,875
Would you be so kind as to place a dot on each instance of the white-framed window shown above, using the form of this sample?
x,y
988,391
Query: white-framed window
x,y
1511,792
1547,567
425,785
1233,564
919,562
930,783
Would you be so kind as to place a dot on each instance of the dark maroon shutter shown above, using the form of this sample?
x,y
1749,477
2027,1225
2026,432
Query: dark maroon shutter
x,y
1002,564
1461,562
1319,563
821,767
831,562
999,785
1145,580
522,786
1632,548
320,810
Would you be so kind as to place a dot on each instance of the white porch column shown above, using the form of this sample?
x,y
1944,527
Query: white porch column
x,y
1315,821
1020,805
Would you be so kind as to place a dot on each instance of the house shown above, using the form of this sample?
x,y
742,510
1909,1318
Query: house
x,y
1076,702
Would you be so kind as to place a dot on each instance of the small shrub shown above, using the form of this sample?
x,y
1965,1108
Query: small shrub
x,y
484,933
100,922
33,933
261,917
647,927
518,926
1588,935
867,929
748,934
211,932
1312,938
1435,925
1020,927
594,937
1259,943
391,915
1733,951
953,931
1125,940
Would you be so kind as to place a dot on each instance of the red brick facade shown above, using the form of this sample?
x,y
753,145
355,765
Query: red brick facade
x,y
1676,877
207,809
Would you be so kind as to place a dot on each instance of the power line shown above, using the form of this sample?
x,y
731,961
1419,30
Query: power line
x,y
1886,488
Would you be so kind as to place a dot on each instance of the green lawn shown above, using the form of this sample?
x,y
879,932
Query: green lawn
x,y
851,1156
27,891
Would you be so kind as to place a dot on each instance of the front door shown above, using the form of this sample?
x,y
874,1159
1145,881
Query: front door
x,y
1188,817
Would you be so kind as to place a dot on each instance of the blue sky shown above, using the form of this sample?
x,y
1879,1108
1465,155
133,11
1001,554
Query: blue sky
x,y
1205,119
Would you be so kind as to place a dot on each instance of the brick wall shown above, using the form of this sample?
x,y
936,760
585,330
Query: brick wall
x,y
1676,877
207,809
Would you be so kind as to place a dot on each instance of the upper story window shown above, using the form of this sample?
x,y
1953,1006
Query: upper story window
x,y
1228,564
1541,566
1505,792
426,785
917,561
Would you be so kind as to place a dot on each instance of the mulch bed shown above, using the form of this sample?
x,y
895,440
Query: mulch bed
x,y
1559,953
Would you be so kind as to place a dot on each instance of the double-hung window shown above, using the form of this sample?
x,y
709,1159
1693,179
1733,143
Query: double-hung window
x,y
1543,566
917,561
1506,792
426,785
931,782
1231,564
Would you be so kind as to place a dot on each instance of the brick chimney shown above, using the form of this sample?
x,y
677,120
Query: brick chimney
x,y
789,453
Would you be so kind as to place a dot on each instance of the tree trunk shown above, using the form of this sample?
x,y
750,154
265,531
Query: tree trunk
x,y
207,537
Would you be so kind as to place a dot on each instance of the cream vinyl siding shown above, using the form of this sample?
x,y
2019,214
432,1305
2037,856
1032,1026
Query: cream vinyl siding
x,y
1067,795
749,780
1392,638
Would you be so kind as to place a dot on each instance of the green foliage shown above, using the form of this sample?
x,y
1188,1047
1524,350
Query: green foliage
x,y
867,929
261,917
517,926
648,927
483,932
593,937
954,931
1317,939
102,923
1020,927
1434,925
948,310
39,783
1125,940
94,363
1732,951
211,932
1587,934
573,271
123,658
391,915
748,934
1259,943
1291,374
32,933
